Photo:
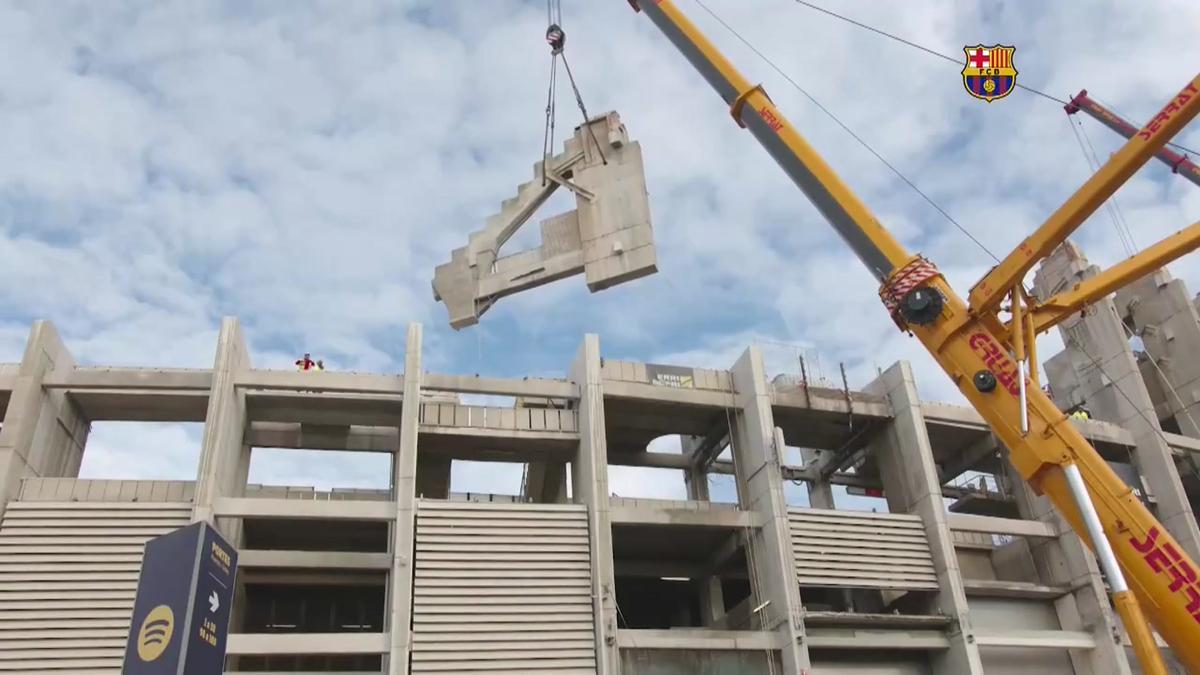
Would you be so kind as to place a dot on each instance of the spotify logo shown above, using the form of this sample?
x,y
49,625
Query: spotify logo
x,y
156,632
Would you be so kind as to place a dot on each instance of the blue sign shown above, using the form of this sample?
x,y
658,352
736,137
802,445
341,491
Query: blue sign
x,y
181,614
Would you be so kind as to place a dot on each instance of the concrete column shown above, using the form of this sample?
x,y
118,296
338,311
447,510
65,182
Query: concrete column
x,y
224,454
695,478
1066,561
44,433
589,482
1162,314
910,483
757,461
433,477
820,492
546,482
712,601
404,489
1098,367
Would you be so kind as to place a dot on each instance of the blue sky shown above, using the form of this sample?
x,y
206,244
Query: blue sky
x,y
304,166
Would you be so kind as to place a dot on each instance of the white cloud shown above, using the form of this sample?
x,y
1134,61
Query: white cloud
x,y
306,167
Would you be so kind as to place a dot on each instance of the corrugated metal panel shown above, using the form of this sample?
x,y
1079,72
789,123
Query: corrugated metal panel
x,y
502,588
861,550
68,576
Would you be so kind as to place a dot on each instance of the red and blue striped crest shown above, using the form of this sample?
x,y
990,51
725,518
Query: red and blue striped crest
x,y
989,72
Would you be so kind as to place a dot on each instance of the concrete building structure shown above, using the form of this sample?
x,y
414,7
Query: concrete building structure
x,y
949,577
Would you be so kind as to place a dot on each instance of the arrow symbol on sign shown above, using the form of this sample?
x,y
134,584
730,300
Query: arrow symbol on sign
x,y
213,602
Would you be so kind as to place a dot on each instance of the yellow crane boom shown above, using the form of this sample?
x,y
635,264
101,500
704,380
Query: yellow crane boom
x,y
1146,567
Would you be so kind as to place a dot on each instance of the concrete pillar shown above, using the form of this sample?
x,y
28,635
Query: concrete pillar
x,y
404,489
758,463
1162,314
433,477
1100,369
224,454
44,433
712,601
820,492
1066,561
589,482
546,482
910,482
695,478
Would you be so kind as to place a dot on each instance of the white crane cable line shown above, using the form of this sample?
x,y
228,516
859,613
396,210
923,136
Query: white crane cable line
x,y
957,62
846,128
1110,205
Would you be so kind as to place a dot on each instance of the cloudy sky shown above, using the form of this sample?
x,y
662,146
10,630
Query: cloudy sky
x,y
305,165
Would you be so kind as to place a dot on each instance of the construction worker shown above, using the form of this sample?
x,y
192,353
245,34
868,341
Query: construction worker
x,y
1080,413
320,364
305,364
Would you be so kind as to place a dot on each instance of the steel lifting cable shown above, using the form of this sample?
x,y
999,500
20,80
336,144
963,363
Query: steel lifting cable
x,y
1093,163
556,37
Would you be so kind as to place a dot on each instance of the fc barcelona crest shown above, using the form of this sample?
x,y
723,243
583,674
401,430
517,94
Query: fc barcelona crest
x,y
989,73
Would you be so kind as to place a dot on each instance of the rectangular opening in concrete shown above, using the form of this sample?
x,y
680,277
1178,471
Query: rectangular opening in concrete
x,y
311,607
670,576
329,474
141,451
485,478
312,534
651,483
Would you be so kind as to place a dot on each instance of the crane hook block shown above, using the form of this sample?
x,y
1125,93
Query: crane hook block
x,y
556,38
607,237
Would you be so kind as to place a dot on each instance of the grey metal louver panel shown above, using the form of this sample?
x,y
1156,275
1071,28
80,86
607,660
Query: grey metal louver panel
x,y
68,576
854,549
502,588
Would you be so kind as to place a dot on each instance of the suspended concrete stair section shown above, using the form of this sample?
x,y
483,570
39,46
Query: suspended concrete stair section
x,y
68,577
607,237
502,589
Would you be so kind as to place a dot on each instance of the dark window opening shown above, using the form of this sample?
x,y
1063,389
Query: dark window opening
x,y
309,534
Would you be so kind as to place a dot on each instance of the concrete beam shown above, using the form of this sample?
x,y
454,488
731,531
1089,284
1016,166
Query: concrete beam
x,y
266,644
860,639
967,522
638,391
665,460
515,435
985,447
341,560
648,514
324,381
1036,639
474,384
696,638
263,507
833,401
140,405
322,436
158,379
